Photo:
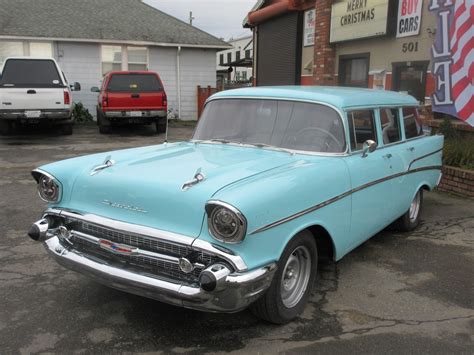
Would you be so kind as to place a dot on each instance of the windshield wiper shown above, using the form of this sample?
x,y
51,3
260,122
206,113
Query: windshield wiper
x,y
263,145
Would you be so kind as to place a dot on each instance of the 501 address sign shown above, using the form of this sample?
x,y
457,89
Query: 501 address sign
x,y
410,47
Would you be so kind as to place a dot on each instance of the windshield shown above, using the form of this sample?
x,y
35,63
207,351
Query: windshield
x,y
30,73
284,124
134,83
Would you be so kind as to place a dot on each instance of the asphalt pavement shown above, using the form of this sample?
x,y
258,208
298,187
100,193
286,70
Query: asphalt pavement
x,y
396,293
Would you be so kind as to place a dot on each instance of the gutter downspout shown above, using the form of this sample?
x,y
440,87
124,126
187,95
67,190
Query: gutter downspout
x,y
178,79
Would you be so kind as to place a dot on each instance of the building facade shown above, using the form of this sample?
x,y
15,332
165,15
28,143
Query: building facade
x,y
239,58
378,44
184,56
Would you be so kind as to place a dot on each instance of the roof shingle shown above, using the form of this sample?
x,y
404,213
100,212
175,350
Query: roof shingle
x,y
107,20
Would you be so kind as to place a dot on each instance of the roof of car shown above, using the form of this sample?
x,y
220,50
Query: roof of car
x,y
103,21
342,97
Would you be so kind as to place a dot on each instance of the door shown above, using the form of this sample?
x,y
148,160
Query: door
x,y
279,50
410,77
371,192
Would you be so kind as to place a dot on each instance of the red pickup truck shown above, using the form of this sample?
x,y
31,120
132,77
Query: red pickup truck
x,y
131,97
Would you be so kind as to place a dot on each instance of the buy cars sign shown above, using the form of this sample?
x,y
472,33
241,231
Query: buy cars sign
x,y
409,18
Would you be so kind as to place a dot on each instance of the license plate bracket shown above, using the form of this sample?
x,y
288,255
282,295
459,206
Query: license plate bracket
x,y
33,114
135,114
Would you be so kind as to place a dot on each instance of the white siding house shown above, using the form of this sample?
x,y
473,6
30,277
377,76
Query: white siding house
x,y
133,36
242,48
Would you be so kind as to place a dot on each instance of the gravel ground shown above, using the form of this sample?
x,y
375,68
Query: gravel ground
x,y
396,293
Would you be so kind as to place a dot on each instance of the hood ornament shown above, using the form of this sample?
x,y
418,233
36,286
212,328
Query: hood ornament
x,y
198,177
107,164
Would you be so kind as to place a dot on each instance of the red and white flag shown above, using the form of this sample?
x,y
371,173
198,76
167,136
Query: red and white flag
x,y
462,52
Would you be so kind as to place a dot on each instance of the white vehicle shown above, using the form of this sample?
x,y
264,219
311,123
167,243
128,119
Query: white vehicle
x,y
35,90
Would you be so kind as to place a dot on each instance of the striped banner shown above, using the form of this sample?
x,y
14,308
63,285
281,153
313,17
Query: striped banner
x,y
453,58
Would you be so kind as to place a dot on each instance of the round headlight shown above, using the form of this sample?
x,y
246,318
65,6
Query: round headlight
x,y
226,223
48,189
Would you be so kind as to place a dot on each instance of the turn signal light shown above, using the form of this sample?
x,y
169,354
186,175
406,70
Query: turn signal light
x,y
67,97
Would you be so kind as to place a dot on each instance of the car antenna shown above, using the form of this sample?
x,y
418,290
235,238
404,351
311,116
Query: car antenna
x,y
166,131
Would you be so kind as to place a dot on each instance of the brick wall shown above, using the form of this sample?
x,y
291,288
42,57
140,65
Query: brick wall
x,y
324,54
456,180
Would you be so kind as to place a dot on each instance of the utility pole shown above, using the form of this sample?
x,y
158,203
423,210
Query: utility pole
x,y
191,18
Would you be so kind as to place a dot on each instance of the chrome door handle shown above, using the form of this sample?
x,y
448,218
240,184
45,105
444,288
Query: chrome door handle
x,y
411,149
388,156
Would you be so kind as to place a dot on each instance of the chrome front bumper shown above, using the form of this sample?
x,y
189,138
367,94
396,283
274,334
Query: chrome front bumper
x,y
235,287
130,114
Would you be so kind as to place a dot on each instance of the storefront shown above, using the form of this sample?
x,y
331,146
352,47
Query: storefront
x,y
377,44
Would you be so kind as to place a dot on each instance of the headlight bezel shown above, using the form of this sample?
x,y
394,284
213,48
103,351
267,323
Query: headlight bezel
x,y
212,208
39,175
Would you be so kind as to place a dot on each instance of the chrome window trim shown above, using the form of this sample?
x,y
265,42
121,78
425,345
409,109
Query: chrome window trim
x,y
45,173
303,152
179,239
234,210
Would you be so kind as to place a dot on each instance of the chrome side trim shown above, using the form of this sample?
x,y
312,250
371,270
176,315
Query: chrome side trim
x,y
424,156
235,260
341,196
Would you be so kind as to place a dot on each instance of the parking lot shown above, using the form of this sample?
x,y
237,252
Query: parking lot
x,y
396,293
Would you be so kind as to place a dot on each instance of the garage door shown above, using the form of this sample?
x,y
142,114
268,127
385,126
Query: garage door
x,y
279,51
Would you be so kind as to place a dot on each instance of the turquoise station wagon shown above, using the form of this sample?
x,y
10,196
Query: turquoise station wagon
x,y
273,180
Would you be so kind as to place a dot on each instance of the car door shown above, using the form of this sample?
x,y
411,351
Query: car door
x,y
371,192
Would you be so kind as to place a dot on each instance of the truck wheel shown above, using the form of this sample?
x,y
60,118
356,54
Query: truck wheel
x,y
161,126
6,128
66,129
411,219
291,287
104,127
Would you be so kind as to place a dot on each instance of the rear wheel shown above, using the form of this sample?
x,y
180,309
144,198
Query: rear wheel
x,y
102,122
161,126
291,286
66,129
411,219
7,127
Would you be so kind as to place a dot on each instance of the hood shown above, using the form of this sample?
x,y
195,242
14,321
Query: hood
x,y
144,186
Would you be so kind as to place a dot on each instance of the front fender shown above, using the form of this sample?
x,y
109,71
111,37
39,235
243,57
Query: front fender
x,y
276,195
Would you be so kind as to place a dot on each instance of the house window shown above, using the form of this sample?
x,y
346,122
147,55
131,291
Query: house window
x,y
248,54
229,57
137,58
115,58
354,70
41,49
19,49
237,55
221,59
244,75
111,58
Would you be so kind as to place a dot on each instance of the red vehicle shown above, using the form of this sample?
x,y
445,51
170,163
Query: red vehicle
x,y
131,97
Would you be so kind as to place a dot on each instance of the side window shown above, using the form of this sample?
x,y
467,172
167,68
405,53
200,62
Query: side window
x,y
411,121
390,126
361,128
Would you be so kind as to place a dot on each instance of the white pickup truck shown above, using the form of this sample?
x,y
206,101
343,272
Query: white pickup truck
x,y
34,90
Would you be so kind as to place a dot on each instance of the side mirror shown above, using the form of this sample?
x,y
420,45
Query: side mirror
x,y
75,86
368,147
95,89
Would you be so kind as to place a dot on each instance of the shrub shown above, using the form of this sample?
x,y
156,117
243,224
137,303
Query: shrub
x,y
459,153
81,114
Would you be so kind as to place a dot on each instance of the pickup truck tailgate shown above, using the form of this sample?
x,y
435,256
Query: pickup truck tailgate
x,y
31,99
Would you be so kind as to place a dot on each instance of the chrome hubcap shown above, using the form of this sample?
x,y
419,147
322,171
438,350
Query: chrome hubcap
x,y
415,208
295,277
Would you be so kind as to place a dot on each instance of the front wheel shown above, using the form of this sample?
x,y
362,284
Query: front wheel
x,y
291,286
411,219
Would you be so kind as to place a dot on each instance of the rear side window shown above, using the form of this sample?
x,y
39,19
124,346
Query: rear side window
x,y
134,83
30,73
411,121
361,128
390,125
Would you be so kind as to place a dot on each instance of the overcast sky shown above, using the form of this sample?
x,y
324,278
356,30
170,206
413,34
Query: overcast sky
x,y
221,18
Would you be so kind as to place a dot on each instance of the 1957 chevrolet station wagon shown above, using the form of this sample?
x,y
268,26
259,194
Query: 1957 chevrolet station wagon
x,y
272,180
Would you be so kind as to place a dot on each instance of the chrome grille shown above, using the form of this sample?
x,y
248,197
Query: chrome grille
x,y
143,263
